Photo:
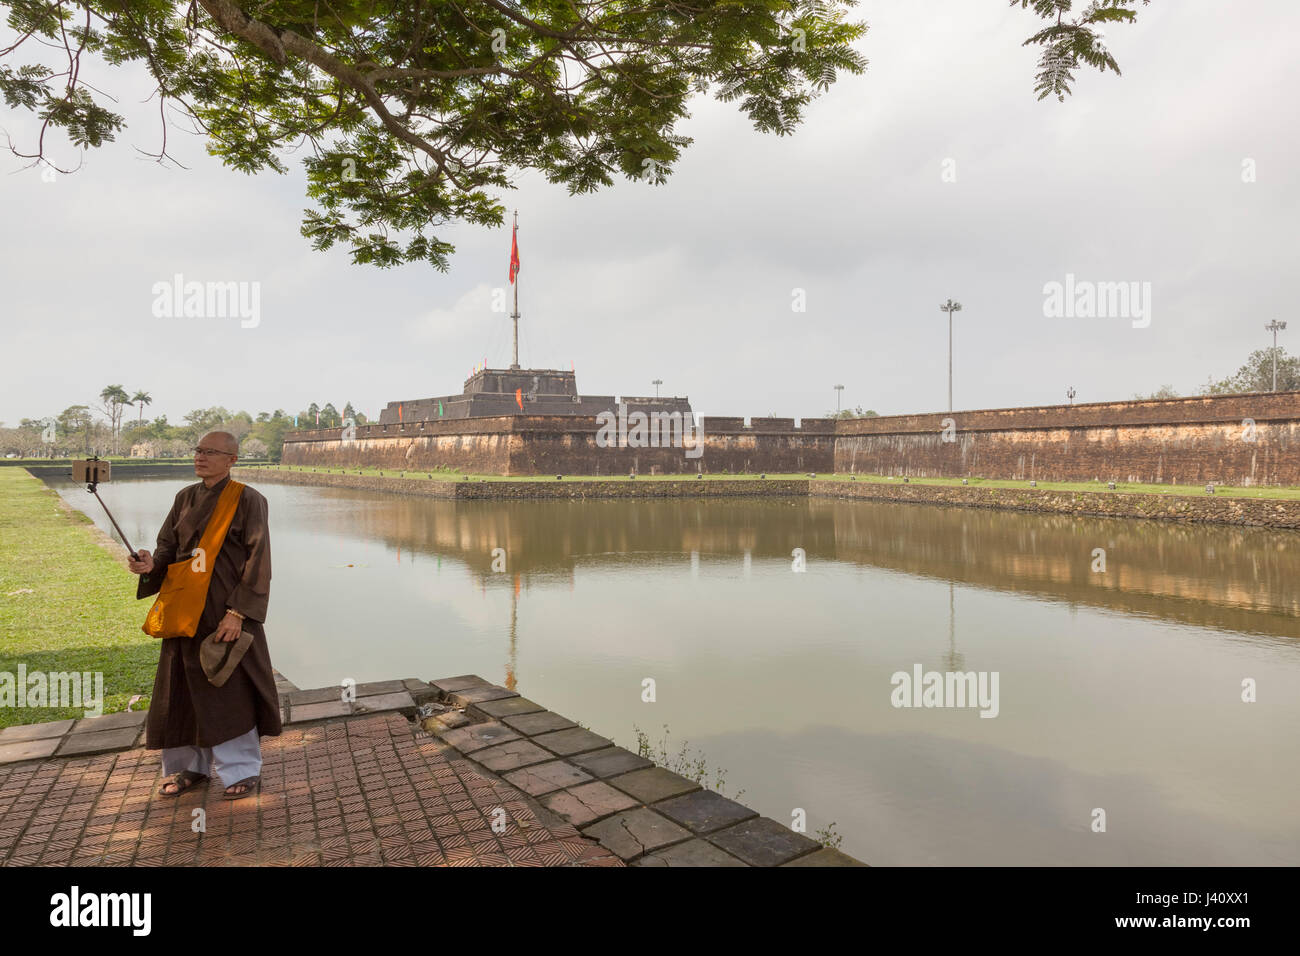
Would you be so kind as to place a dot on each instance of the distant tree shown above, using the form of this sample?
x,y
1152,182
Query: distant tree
x,y
854,413
1164,391
114,399
1257,375
203,420
140,400
77,420
252,448
271,432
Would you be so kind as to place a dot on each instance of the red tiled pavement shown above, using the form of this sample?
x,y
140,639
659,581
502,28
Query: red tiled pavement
x,y
355,791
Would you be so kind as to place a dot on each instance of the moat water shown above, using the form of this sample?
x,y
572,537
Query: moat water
x,y
1117,690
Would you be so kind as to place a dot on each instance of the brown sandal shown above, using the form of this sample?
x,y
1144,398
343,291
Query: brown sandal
x,y
251,785
184,780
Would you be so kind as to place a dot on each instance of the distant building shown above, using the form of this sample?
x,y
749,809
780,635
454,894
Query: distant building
x,y
493,392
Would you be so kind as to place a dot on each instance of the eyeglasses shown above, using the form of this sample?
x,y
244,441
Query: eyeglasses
x,y
209,452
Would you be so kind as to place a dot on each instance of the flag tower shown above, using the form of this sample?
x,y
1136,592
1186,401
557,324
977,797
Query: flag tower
x,y
514,274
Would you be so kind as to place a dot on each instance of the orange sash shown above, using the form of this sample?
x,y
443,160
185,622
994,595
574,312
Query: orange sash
x,y
184,590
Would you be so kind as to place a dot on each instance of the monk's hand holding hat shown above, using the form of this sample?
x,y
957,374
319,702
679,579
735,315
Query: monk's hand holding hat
x,y
229,628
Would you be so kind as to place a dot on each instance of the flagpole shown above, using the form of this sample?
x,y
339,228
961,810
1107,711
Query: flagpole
x,y
515,315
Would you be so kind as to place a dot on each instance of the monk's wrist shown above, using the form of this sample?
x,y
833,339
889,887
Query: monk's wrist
x,y
231,610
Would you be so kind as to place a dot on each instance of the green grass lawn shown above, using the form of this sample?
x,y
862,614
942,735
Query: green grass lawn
x,y
1289,493
66,603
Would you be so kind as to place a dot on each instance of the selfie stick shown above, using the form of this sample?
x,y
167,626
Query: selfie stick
x,y
93,475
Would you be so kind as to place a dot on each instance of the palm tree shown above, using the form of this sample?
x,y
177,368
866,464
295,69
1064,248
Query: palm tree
x,y
114,397
140,400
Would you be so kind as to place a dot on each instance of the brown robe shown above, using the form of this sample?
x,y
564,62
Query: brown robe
x,y
186,709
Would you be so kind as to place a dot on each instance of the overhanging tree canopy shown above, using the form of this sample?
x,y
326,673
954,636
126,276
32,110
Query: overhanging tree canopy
x,y
417,112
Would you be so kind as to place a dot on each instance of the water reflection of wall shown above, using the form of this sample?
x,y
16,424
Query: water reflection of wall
x,y
1218,576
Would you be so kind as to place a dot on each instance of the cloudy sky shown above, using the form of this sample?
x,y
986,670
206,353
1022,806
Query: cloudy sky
x,y
1137,178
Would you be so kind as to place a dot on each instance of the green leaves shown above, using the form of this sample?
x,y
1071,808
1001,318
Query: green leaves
x,y
411,116
1067,43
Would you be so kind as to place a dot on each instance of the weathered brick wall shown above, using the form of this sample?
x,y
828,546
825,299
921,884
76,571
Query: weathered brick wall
x,y
510,490
1235,440
1211,509
539,445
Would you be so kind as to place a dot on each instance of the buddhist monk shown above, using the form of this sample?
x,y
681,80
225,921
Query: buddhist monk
x,y
203,729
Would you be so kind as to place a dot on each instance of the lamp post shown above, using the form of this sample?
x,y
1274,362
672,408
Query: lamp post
x,y
1070,393
656,383
950,307
839,393
1275,327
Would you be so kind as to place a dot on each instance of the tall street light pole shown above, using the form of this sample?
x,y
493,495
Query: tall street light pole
x,y
950,307
1275,327
656,383
839,393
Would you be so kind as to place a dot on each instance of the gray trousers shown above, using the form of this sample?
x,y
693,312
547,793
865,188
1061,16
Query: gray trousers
x,y
231,760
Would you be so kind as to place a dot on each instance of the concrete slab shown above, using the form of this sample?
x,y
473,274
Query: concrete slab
x,y
449,684
476,695
397,700
635,832
547,777
135,718
575,740
610,762
512,756
377,687
105,741
28,749
691,853
477,736
419,690
508,707
317,695
653,784
825,857
587,803
704,811
543,723
763,842
333,708
52,728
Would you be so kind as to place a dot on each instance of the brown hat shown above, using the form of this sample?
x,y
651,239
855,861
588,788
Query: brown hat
x,y
220,658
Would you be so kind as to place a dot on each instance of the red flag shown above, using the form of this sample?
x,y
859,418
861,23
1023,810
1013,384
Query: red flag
x,y
519,398
514,253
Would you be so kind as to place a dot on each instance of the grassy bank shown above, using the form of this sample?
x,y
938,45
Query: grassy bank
x,y
440,474
67,602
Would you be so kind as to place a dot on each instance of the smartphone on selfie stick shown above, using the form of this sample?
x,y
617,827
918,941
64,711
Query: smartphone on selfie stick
x,y
92,471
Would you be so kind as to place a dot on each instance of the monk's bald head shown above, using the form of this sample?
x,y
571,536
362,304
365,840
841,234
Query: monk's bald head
x,y
222,441
214,455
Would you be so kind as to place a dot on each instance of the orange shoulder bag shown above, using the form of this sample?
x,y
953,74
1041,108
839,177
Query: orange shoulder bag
x,y
184,590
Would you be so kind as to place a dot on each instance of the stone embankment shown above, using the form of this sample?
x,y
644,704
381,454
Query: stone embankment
x,y
1204,508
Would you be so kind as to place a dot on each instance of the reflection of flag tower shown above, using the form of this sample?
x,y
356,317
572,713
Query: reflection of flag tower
x,y
514,275
952,660
514,635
